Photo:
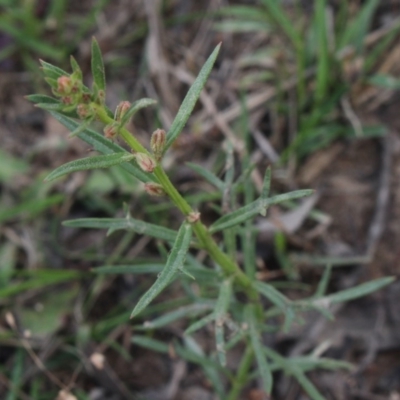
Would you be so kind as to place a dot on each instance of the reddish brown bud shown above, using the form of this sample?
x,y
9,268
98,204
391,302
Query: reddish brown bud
x,y
83,111
121,110
110,131
86,97
154,189
157,143
145,162
64,85
67,100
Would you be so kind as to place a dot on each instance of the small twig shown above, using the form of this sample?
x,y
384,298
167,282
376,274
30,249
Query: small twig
x,y
352,116
382,202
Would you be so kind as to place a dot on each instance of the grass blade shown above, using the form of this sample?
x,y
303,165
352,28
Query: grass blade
x,y
258,348
174,262
90,163
323,53
191,98
356,31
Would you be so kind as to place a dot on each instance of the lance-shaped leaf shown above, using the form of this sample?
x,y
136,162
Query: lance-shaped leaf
x,y
200,323
256,207
174,263
42,99
129,224
102,145
95,162
189,311
191,98
258,348
292,367
99,77
207,175
355,292
134,108
221,310
273,295
51,71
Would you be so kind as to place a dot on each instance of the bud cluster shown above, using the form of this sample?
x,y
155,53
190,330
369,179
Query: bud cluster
x,y
74,96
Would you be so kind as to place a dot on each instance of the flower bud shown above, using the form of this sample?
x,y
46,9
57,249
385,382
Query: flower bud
x,y
67,100
157,143
64,85
83,111
193,217
121,110
154,189
145,162
111,130
86,97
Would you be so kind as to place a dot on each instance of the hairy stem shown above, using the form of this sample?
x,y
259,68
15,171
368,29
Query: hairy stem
x,y
229,266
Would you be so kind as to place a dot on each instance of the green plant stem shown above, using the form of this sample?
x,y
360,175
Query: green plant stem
x,y
242,374
228,265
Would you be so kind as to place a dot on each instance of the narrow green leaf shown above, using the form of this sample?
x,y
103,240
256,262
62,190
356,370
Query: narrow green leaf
x,y
237,217
356,31
207,175
174,262
323,283
50,71
29,208
256,207
310,363
241,26
191,98
129,269
102,145
191,310
258,348
385,81
244,12
356,292
42,99
76,69
129,224
273,295
99,76
221,310
85,124
290,367
266,184
323,53
135,107
200,323
95,162
278,15
148,343
52,278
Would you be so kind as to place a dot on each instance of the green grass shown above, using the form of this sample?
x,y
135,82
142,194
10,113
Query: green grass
x,y
316,50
